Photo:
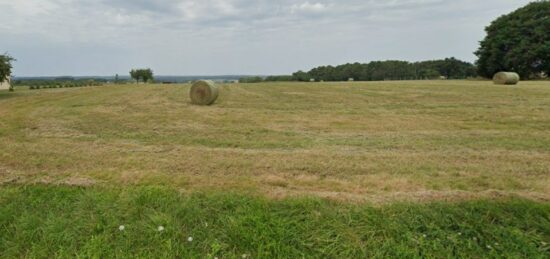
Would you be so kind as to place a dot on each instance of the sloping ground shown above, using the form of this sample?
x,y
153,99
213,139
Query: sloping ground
x,y
67,222
376,142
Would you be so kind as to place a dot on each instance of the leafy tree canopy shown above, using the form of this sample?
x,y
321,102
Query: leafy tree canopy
x,y
518,42
5,66
145,75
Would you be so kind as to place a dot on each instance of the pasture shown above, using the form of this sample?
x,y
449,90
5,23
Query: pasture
x,y
359,141
349,166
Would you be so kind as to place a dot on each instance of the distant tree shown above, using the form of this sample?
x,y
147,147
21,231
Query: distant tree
x,y
5,68
116,79
134,75
519,42
429,74
145,75
301,76
253,79
453,68
279,78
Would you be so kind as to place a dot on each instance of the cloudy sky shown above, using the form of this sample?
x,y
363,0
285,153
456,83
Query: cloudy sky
x,y
211,37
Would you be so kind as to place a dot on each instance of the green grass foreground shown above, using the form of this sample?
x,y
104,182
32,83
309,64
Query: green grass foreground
x,y
39,221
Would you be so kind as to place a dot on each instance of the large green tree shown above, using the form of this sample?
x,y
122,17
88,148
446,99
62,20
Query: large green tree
x,y
144,75
519,42
5,68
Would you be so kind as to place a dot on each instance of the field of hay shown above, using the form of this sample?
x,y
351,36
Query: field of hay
x,y
362,141
433,169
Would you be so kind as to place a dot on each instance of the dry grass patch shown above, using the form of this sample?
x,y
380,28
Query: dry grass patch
x,y
361,141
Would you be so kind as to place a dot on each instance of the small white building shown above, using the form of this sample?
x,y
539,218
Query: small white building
x,y
6,84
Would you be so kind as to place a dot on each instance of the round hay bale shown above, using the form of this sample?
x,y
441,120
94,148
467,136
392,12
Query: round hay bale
x,y
506,78
203,92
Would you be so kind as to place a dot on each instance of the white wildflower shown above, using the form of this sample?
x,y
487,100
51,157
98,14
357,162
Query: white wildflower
x,y
160,228
190,239
121,228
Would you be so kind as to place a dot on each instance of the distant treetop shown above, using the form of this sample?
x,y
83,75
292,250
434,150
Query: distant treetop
x,y
145,75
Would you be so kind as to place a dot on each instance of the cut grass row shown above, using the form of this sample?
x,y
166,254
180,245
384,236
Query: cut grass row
x,y
40,221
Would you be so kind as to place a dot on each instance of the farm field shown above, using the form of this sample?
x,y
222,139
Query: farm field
x,y
354,141
348,167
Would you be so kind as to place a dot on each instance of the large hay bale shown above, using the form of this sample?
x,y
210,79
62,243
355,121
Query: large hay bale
x,y
203,92
506,78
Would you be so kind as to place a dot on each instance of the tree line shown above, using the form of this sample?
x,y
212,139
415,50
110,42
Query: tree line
x,y
61,82
449,68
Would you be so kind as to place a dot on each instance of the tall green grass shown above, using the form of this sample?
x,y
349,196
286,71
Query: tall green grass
x,y
66,222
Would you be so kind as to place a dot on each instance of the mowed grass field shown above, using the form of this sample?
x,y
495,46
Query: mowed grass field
x,y
375,141
408,168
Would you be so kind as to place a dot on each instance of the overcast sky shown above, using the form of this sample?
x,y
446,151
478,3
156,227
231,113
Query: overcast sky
x,y
212,37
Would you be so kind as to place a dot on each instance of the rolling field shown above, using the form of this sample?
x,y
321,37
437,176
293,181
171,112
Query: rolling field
x,y
408,168
360,141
